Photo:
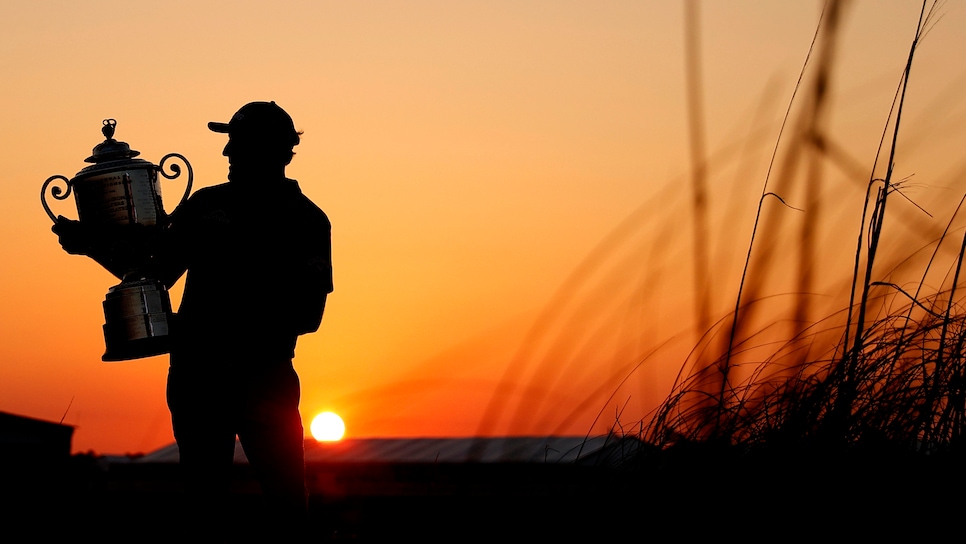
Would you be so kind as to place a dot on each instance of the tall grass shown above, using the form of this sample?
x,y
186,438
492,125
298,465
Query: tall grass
x,y
886,370
813,333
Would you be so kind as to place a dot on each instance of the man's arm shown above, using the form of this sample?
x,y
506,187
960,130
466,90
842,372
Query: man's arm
x,y
118,248
314,287
168,259
167,262
313,270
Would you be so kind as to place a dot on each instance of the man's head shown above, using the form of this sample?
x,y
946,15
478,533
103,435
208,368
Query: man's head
x,y
260,135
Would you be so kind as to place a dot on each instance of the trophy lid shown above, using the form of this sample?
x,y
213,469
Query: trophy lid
x,y
111,149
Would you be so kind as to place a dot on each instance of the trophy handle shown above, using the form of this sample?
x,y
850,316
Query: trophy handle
x,y
175,172
56,192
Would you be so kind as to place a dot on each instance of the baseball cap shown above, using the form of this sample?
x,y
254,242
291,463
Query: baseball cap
x,y
263,119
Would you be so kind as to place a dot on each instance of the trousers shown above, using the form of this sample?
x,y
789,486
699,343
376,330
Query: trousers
x,y
211,404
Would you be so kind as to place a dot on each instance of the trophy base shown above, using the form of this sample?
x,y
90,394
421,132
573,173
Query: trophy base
x,y
136,349
137,320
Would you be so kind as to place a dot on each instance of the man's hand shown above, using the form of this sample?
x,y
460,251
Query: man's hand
x,y
74,237
118,248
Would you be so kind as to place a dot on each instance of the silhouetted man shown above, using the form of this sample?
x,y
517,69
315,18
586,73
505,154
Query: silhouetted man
x,y
258,259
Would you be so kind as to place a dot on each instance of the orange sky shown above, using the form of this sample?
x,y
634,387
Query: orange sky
x,y
507,183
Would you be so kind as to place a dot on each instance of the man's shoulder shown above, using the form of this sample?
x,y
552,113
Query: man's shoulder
x,y
211,192
309,209
315,213
207,196
201,202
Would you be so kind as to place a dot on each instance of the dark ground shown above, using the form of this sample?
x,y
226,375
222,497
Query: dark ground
x,y
691,493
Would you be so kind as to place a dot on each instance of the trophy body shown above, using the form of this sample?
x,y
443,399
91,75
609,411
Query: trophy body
x,y
119,197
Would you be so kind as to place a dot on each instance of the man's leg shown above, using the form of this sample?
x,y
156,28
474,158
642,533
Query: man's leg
x,y
202,424
271,432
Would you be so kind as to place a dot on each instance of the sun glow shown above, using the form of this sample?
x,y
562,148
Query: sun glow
x,y
327,427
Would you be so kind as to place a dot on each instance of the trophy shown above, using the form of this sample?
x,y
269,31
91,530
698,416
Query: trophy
x,y
119,197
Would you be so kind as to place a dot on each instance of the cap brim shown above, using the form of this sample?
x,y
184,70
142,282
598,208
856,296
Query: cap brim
x,y
218,127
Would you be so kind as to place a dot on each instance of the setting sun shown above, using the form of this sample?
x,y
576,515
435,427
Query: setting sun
x,y
327,427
